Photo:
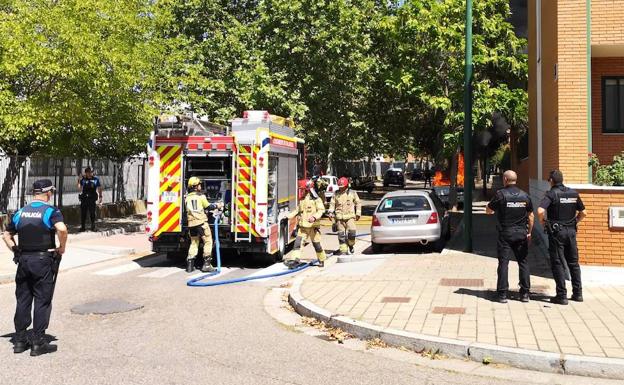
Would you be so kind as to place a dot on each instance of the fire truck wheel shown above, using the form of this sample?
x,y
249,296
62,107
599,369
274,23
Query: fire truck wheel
x,y
281,244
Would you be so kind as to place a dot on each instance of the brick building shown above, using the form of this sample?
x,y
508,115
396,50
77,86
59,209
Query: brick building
x,y
576,97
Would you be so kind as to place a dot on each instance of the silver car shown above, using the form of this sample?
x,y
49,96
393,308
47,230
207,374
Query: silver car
x,y
416,216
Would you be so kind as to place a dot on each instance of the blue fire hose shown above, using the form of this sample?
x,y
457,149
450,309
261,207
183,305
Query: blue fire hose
x,y
196,282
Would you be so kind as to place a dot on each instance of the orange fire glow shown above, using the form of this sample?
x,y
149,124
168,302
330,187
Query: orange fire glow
x,y
442,179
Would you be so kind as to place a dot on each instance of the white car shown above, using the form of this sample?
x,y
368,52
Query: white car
x,y
332,186
412,216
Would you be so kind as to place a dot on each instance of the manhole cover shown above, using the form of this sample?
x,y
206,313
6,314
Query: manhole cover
x,y
449,310
105,306
461,282
395,299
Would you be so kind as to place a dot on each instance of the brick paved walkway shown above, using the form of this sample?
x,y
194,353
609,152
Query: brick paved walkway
x,y
425,294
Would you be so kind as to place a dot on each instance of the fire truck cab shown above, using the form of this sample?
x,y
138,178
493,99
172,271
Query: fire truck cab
x,y
253,167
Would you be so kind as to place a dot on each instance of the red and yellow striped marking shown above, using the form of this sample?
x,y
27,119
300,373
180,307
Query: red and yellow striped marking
x,y
244,184
169,211
254,161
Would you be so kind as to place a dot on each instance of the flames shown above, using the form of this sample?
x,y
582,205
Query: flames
x,y
442,179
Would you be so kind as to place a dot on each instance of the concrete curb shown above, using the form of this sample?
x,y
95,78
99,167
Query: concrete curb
x,y
118,252
134,228
609,368
361,258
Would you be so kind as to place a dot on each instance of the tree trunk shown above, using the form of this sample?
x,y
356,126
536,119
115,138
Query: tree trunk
x,y
12,172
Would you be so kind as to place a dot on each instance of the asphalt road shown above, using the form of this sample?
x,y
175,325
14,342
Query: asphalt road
x,y
182,335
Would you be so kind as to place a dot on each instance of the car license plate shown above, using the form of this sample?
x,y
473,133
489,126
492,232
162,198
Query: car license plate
x,y
404,221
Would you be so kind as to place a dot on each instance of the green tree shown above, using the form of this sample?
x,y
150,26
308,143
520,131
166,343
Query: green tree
x,y
322,51
428,66
77,77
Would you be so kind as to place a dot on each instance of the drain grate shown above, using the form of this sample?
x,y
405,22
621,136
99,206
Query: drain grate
x,y
449,310
462,282
395,299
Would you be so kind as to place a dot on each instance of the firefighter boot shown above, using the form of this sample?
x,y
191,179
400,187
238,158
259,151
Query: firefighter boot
x,y
207,267
190,265
321,258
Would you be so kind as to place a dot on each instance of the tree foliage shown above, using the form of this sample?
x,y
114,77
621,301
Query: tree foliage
x,y
76,76
361,77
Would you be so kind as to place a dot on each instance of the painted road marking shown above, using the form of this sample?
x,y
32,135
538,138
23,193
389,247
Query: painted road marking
x,y
224,271
119,269
162,272
273,269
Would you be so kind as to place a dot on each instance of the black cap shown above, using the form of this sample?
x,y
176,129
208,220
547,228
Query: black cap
x,y
42,186
556,176
88,169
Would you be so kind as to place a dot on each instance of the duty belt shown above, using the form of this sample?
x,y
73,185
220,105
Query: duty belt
x,y
37,253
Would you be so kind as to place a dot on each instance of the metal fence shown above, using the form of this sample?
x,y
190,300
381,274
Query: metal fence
x,y
121,181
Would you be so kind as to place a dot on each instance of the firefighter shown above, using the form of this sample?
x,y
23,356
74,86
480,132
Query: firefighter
x,y
345,206
196,206
310,211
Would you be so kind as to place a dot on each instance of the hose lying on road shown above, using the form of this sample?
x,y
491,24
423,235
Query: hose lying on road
x,y
196,282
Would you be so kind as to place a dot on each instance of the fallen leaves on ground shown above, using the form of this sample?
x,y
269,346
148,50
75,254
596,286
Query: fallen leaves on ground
x,y
376,343
334,334
434,354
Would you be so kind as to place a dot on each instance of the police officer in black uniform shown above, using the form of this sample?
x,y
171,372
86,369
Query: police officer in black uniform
x,y
91,193
564,209
37,259
515,216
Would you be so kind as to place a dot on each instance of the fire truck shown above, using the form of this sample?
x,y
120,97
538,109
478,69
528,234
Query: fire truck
x,y
252,166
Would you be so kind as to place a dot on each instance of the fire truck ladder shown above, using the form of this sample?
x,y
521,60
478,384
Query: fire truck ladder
x,y
244,179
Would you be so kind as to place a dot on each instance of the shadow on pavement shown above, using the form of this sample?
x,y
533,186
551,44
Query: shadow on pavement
x,y
484,241
404,248
490,295
11,336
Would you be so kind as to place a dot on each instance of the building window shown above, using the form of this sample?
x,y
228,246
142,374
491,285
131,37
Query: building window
x,y
613,105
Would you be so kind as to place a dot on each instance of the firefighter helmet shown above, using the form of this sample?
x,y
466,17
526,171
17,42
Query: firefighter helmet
x,y
343,182
303,183
193,181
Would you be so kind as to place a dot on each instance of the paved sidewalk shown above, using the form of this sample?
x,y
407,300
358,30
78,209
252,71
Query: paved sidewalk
x,y
450,295
116,237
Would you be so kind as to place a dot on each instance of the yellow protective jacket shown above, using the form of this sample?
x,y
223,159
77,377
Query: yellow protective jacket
x,y
196,204
345,205
309,207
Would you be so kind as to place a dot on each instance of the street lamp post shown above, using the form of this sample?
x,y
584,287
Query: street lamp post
x,y
468,132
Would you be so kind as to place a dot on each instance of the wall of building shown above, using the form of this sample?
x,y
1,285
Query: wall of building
x,y
604,145
550,88
599,245
572,84
607,27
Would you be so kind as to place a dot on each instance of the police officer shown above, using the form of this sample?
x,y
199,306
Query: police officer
x,y
309,211
37,259
196,205
515,217
345,206
564,209
91,193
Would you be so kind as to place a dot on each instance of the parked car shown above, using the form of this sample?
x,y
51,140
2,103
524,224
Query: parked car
x,y
417,174
416,216
394,176
443,193
363,183
332,186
